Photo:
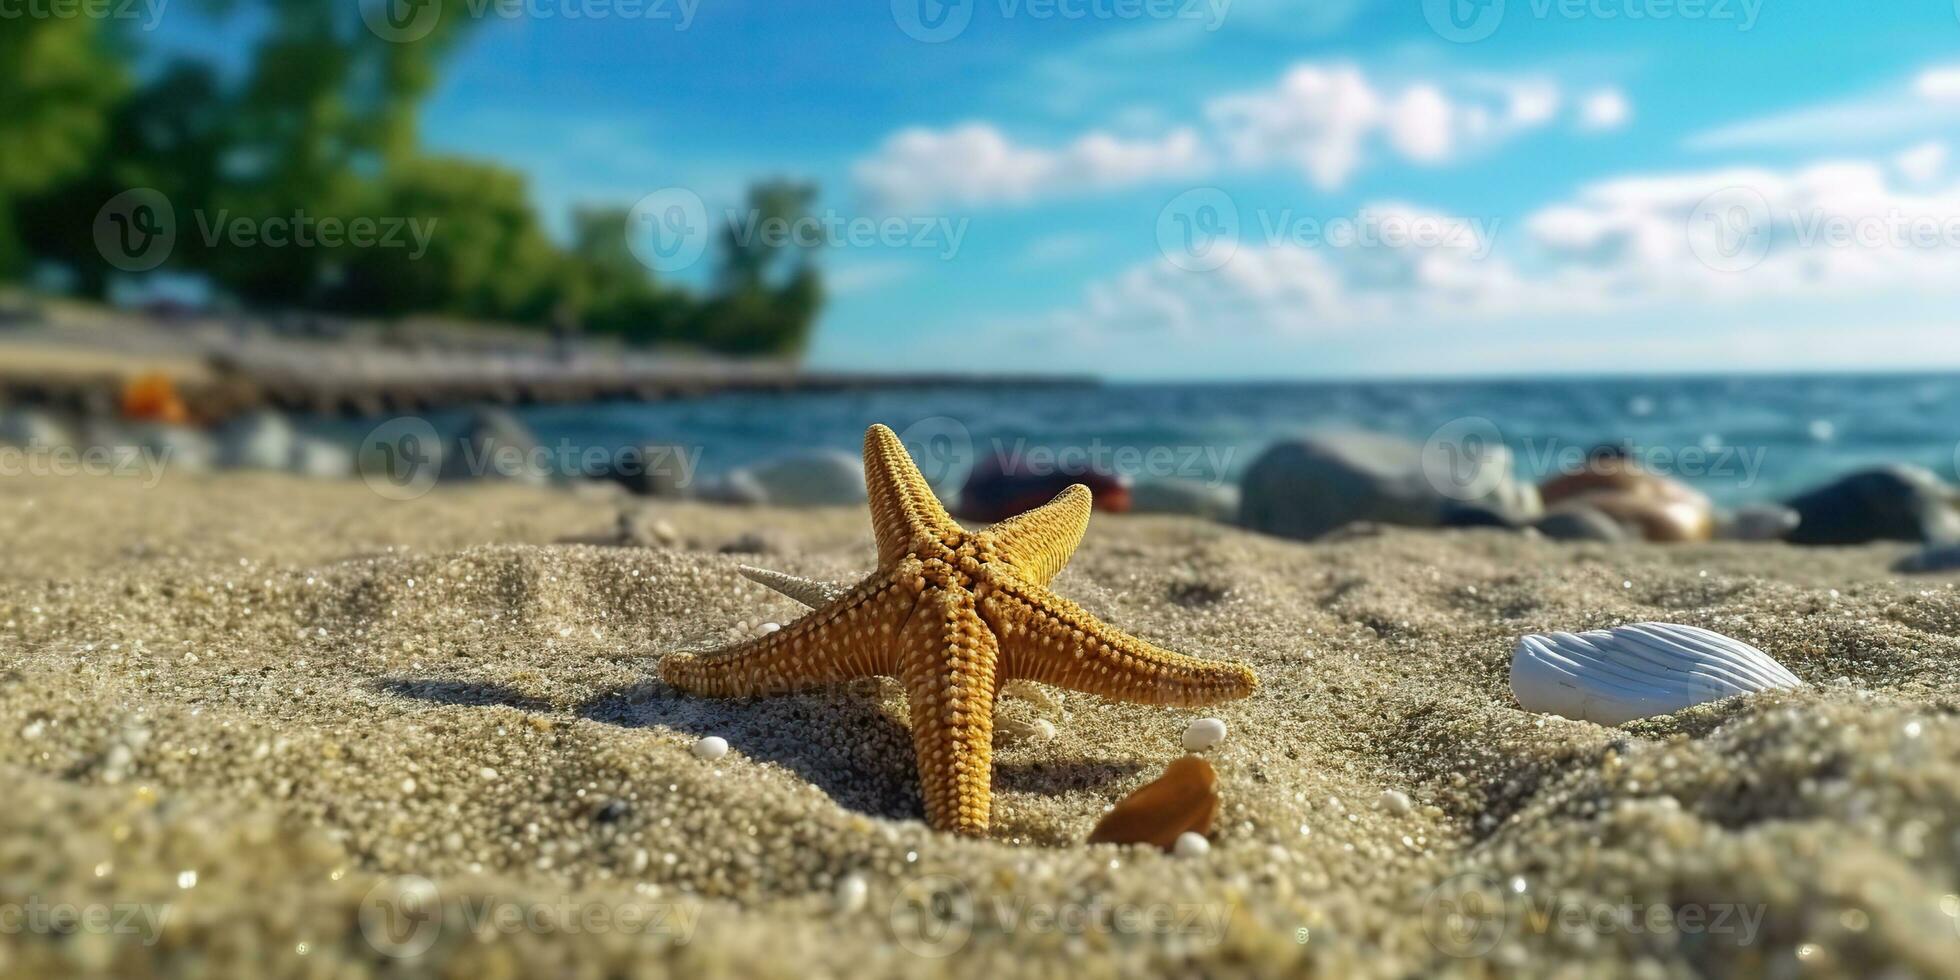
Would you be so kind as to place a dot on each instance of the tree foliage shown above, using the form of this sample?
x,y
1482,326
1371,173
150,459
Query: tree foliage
x,y
58,79
319,126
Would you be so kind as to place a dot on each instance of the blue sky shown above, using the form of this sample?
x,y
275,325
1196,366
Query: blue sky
x,y
1561,159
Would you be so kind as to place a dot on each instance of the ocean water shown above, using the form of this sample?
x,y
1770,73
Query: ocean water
x,y
1738,439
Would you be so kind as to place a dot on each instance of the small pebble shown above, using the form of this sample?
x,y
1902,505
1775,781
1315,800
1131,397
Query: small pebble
x,y
851,893
711,748
1191,845
1044,730
1397,802
1203,734
767,628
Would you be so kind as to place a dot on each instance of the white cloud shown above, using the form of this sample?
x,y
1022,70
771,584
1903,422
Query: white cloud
x,y
1315,119
976,163
1604,109
1917,107
1324,120
1844,229
1392,260
1922,163
1059,247
848,279
1941,84
1534,103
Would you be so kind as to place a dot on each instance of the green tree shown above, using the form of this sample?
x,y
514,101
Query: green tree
x,y
486,257
321,124
612,293
768,290
326,108
58,79
167,135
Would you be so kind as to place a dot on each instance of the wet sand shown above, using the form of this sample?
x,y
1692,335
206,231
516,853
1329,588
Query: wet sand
x,y
263,726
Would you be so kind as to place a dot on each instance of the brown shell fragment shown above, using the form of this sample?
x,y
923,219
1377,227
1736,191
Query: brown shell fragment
x,y
1184,798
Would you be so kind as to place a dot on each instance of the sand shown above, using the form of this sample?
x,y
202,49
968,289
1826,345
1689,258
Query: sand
x,y
261,726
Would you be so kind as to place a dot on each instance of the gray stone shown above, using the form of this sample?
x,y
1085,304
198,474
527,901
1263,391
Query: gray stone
x,y
495,446
179,448
1889,503
1308,486
260,441
1456,513
26,427
1577,522
1936,558
753,543
652,470
738,487
109,442
322,459
1193,498
1757,522
815,479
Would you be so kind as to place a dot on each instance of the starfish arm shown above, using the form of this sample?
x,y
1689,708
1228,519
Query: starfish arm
x,y
903,508
1039,542
947,663
1046,638
807,591
849,638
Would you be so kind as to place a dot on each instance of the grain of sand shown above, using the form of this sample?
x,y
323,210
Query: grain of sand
x,y
310,732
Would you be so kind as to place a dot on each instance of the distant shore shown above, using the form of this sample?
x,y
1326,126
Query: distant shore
x,y
79,359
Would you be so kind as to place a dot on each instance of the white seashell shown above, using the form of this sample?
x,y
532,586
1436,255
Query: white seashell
x,y
851,893
1191,845
710,748
1397,802
1614,676
1203,734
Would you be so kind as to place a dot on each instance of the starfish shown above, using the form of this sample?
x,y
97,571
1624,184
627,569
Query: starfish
x,y
953,615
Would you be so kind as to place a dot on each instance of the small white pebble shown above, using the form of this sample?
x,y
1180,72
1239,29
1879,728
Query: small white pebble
x,y
1203,734
851,893
1397,802
711,748
1191,845
767,628
1044,730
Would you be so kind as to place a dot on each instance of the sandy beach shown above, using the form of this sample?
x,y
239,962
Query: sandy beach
x,y
268,726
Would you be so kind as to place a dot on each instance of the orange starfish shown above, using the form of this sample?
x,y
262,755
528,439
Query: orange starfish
x,y
954,614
